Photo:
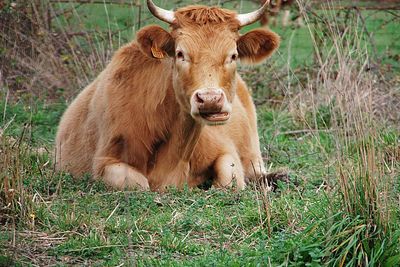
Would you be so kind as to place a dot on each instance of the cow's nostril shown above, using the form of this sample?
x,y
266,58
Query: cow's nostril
x,y
199,98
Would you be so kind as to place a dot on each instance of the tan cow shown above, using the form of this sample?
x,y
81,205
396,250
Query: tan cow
x,y
149,107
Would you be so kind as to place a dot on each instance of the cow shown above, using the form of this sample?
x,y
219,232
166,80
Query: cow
x,y
170,97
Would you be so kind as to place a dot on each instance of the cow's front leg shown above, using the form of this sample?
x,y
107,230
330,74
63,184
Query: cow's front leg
x,y
229,168
122,176
109,166
167,173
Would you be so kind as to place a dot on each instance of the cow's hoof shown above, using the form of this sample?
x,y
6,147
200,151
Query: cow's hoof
x,y
135,183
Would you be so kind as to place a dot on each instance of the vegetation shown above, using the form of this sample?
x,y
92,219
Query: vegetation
x,y
328,109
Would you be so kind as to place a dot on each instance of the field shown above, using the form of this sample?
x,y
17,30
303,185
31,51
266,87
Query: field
x,y
328,105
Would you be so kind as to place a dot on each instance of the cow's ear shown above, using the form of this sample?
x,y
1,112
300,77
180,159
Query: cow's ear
x,y
155,42
257,45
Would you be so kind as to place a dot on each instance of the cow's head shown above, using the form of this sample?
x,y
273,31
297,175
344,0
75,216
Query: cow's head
x,y
205,45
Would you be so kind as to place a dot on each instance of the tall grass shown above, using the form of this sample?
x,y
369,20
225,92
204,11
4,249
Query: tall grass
x,y
345,96
15,200
49,61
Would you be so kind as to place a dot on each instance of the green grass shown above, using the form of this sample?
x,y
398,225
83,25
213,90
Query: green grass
x,y
37,121
81,221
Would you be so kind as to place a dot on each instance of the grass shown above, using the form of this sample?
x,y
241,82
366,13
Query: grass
x,y
69,222
326,123
39,118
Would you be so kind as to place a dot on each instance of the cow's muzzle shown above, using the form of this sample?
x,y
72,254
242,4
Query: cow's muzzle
x,y
211,106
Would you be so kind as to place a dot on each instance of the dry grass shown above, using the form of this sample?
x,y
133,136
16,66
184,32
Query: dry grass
x,y
47,62
354,100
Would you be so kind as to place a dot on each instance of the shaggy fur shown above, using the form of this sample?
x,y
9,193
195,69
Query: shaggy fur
x,y
131,125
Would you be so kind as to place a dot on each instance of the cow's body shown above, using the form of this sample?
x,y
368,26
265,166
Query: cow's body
x,y
97,118
120,117
124,126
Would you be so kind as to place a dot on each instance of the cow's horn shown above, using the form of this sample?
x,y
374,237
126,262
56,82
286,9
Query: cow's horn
x,y
160,13
249,18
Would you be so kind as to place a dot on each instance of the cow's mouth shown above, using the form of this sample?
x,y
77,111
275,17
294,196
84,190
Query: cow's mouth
x,y
215,117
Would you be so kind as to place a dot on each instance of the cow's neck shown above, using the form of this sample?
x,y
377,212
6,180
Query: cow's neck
x,y
172,160
188,133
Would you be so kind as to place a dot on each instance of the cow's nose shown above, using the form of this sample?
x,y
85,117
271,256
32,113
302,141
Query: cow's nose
x,y
210,100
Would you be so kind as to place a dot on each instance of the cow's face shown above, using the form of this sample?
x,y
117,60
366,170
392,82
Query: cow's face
x,y
204,75
205,45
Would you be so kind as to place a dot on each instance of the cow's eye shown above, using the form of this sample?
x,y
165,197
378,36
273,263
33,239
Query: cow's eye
x,y
179,55
234,57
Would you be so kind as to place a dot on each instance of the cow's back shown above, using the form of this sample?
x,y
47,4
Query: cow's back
x,y
76,135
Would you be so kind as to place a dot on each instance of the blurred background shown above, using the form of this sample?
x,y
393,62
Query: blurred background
x,y
54,48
